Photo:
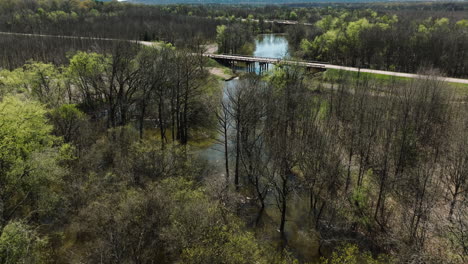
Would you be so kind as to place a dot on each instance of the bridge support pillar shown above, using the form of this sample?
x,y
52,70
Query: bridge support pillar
x,y
250,66
263,67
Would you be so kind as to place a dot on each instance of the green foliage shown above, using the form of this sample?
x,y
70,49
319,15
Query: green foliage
x,y
68,112
463,24
247,48
46,83
30,163
224,245
221,37
23,129
87,64
67,119
19,243
327,23
293,15
12,82
323,44
172,218
354,29
203,238
235,38
350,254
360,199
43,81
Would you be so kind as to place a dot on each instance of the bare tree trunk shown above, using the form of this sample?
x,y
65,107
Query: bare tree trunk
x,y
162,129
141,127
236,175
226,151
283,205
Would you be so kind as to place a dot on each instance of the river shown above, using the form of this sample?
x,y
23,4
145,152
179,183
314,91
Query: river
x,y
266,45
305,242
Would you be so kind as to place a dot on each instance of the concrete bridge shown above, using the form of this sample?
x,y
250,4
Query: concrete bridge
x,y
288,22
279,22
263,62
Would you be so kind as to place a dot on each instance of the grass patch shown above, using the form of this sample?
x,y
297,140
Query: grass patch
x,y
335,75
202,138
212,63
460,89
332,75
199,139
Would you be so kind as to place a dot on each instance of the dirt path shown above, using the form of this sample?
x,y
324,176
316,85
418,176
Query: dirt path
x,y
219,72
211,48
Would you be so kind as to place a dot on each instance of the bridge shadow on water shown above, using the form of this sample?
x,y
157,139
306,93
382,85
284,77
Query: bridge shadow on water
x,y
257,68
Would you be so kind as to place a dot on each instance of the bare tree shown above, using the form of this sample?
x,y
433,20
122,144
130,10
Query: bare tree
x,y
455,171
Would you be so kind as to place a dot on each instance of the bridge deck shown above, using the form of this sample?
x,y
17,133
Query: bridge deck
x,y
265,60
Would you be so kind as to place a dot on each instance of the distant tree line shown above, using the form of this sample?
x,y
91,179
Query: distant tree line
x,y
386,42
312,12
106,20
15,51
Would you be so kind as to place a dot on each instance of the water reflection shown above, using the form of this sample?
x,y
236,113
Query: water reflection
x,y
268,46
271,46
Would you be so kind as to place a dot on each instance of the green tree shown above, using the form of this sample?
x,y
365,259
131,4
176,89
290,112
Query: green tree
x,y
12,82
350,254
236,247
221,38
19,243
293,15
27,159
46,83
67,120
107,81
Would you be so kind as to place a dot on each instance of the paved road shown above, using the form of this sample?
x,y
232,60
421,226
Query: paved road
x,y
396,74
281,22
146,43
260,59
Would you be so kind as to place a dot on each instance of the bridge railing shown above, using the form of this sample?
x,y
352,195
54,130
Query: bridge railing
x,y
264,58
243,56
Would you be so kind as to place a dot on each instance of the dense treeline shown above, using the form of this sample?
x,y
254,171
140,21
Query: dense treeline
x,y
365,39
105,20
312,12
15,51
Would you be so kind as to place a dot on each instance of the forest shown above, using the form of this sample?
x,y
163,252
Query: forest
x,y
121,142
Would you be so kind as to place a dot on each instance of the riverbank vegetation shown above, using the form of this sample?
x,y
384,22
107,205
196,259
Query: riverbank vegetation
x,y
103,146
